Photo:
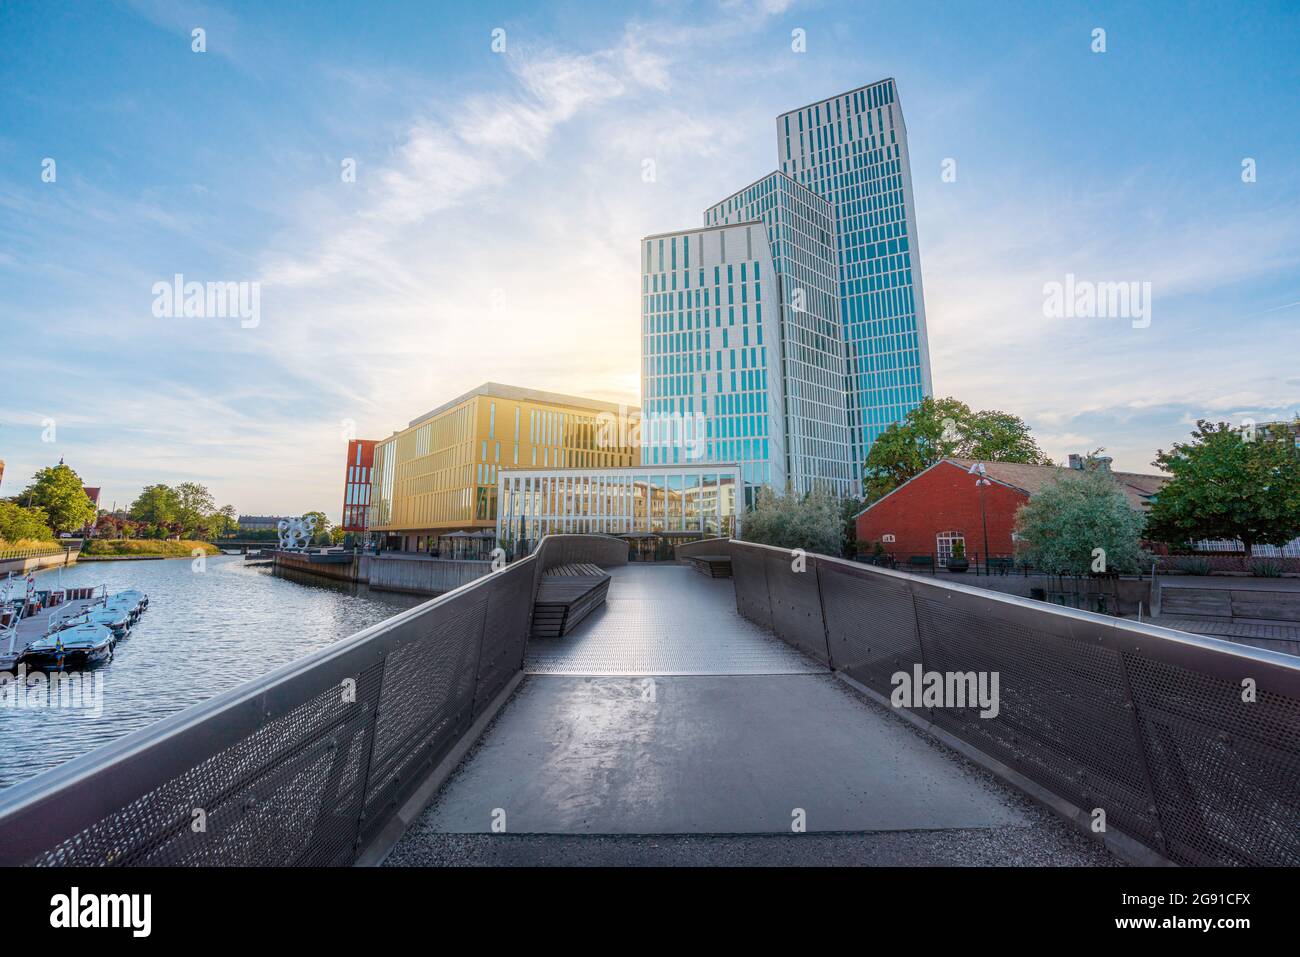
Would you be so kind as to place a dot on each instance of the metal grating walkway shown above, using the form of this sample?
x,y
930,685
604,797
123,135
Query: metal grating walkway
x,y
667,620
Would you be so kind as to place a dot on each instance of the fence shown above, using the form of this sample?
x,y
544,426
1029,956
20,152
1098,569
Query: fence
x,y
35,551
1150,725
304,766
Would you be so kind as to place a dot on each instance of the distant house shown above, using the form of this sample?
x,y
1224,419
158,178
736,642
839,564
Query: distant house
x,y
259,523
931,512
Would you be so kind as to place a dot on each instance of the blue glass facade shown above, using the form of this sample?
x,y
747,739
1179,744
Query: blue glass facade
x,y
852,149
801,236
710,386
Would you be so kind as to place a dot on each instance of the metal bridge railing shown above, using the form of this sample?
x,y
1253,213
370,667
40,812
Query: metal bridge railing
x,y
1188,744
304,766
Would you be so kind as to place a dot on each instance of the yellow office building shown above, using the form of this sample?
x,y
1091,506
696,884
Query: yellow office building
x,y
439,475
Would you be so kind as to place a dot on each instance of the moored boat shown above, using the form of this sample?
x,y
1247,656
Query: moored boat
x,y
116,619
81,646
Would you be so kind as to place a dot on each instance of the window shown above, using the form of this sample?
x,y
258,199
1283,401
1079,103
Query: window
x,y
944,542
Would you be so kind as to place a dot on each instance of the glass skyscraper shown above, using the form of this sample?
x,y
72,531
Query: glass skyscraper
x,y
852,149
801,235
791,329
711,388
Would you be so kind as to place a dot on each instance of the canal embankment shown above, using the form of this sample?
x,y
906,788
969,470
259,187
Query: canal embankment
x,y
22,561
395,572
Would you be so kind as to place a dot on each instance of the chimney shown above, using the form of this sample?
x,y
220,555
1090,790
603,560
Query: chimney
x,y
1076,461
1103,463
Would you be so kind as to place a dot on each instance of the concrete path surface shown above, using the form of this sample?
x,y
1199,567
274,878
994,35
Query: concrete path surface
x,y
667,620
699,765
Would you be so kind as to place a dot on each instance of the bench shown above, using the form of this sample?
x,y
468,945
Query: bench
x,y
921,561
566,595
715,566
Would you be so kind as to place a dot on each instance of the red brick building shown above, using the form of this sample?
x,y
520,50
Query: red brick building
x,y
356,484
928,513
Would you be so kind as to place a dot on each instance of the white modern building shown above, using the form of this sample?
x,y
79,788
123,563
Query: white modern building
x,y
649,506
711,383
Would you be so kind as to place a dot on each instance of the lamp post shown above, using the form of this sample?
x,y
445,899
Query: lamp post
x,y
981,481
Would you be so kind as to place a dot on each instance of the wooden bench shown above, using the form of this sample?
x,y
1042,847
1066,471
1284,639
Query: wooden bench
x,y
921,561
715,566
566,595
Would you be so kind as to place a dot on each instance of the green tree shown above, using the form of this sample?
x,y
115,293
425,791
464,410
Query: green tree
x,y
321,534
59,491
225,521
18,523
946,428
194,503
1062,527
813,522
1226,484
850,506
156,505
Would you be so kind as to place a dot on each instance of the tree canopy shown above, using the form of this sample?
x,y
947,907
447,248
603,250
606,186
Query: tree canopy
x,y
946,428
194,507
1065,523
58,490
1228,484
156,505
812,522
19,523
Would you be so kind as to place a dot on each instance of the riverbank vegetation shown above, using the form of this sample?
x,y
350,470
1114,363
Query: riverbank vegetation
x,y
144,548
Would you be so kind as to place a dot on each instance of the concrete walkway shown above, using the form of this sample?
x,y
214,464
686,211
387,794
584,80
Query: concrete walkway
x,y
667,620
717,759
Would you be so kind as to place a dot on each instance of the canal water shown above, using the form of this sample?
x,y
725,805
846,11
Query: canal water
x,y
204,632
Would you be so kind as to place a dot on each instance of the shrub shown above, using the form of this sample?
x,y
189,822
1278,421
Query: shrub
x,y
812,522
1266,570
1079,522
145,547
1193,566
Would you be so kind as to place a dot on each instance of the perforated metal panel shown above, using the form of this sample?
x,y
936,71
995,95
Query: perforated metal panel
x,y
796,607
303,766
871,625
505,633
1226,770
425,705
750,581
1063,719
1145,723
288,793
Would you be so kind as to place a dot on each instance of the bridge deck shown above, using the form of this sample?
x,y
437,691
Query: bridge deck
x,y
667,714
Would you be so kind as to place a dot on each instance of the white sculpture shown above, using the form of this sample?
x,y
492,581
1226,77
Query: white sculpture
x,y
296,533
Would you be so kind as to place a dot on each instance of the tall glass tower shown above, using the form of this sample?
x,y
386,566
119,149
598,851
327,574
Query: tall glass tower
x,y
711,388
852,150
809,345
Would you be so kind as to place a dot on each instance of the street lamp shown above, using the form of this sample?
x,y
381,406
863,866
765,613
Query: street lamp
x,y
981,481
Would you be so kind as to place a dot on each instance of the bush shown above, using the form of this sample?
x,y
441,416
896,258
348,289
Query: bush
x,y
21,524
1081,524
812,522
146,547
1266,570
1193,566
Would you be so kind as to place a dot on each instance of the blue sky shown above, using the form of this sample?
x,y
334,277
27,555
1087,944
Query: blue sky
x,y
491,232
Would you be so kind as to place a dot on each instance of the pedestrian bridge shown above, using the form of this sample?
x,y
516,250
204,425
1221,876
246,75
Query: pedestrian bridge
x,y
701,720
